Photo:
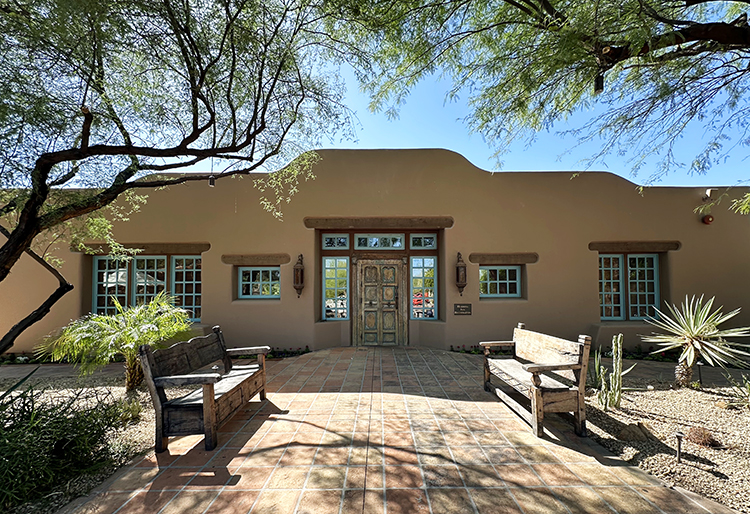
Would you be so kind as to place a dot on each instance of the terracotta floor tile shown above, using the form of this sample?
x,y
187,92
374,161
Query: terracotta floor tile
x,y
190,501
460,439
198,456
366,502
406,501
158,460
323,477
633,476
253,477
105,503
450,501
320,502
147,502
400,477
518,475
571,455
133,479
233,502
540,500
480,476
244,440
502,455
435,456
360,456
469,455
264,457
521,437
276,502
669,500
556,474
494,501
230,458
209,478
298,456
594,474
172,478
400,456
337,456
537,454
288,478
442,476
624,500
582,500
275,440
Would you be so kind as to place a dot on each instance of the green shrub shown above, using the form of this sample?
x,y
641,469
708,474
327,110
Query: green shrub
x,y
45,442
740,392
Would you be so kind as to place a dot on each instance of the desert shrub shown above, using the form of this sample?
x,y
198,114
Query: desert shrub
x,y
46,441
740,392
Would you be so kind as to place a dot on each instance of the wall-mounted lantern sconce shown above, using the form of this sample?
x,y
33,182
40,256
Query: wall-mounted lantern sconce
x,y
211,181
460,274
299,276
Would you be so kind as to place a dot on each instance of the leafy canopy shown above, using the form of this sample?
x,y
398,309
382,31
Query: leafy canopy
x,y
529,64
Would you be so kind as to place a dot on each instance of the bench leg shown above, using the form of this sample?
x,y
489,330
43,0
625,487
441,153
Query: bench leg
x,y
161,442
263,394
580,417
209,417
537,407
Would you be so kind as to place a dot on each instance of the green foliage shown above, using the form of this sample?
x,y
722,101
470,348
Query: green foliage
x,y
526,66
694,330
47,442
94,340
740,392
609,394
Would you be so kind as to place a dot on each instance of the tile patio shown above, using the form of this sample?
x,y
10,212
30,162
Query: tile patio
x,y
384,430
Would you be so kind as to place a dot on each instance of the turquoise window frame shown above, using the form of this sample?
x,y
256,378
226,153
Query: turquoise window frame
x,y
187,292
433,246
338,245
336,283
418,280
638,280
611,287
108,306
270,282
485,279
380,239
140,297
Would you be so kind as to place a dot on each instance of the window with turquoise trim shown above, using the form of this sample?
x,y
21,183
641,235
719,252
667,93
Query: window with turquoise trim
x,y
423,241
628,286
500,281
110,281
149,279
424,287
335,287
186,284
335,241
259,283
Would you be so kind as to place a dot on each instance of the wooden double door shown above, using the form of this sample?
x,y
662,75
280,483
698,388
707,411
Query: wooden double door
x,y
381,307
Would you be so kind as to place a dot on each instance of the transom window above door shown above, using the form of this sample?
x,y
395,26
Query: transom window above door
x,y
379,241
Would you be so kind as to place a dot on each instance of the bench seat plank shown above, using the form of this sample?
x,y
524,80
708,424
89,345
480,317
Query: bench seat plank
x,y
512,373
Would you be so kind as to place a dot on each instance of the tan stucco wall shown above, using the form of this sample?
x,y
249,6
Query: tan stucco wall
x,y
508,212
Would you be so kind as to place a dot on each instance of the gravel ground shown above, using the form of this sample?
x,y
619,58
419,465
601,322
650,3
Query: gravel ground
x,y
722,474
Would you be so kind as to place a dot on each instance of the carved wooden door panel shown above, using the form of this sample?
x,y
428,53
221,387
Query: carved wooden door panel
x,y
381,319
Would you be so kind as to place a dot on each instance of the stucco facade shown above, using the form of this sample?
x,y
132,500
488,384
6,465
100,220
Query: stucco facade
x,y
551,230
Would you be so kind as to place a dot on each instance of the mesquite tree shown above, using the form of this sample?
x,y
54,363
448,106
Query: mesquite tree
x,y
644,69
99,97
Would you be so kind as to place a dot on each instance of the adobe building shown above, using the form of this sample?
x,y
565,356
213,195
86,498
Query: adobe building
x,y
380,233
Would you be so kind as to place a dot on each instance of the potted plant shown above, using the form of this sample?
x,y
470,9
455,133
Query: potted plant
x,y
694,330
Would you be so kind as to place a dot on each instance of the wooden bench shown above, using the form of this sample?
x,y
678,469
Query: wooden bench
x,y
538,365
226,387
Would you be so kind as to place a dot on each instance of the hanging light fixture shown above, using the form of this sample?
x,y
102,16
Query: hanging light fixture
x,y
211,181
460,274
299,276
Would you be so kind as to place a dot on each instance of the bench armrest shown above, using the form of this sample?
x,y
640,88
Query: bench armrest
x,y
489,344
538,368
182,380
250,350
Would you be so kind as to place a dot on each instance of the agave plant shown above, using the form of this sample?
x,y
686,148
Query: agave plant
x,y
694,330
93,340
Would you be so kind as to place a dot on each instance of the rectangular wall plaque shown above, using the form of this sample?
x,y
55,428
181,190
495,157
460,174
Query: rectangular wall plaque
x,y
462,309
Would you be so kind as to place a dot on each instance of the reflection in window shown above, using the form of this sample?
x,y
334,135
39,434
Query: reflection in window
x,y
335,288
186,284
335,241
499,281
424,288
423,241
150,278
628,293
259,283
110,280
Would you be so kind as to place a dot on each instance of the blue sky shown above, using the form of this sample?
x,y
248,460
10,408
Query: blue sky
x,y
428,121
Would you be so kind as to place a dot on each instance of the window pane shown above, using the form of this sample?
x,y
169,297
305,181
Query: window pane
x,y
500,281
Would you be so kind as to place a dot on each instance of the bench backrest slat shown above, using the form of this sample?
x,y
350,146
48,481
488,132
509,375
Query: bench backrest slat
x,y
187,356
545,349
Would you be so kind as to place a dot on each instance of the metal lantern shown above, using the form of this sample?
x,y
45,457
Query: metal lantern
x,y
299,276
460,274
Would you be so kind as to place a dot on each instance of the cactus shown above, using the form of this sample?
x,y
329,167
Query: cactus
x,y
610,394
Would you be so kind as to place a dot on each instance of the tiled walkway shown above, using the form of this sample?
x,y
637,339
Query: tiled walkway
x,y
384,431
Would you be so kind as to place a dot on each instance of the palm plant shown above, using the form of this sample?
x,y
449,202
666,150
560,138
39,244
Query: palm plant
x,y
93,340
694,330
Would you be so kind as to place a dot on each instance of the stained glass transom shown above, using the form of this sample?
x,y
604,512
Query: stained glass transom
x,y
110,281
260,282
500,281
424,287
379,241
150,278
186,284
335,241
335,288
423,241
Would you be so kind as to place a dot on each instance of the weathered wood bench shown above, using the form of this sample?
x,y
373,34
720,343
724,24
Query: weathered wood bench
x,y
226,387
538,365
